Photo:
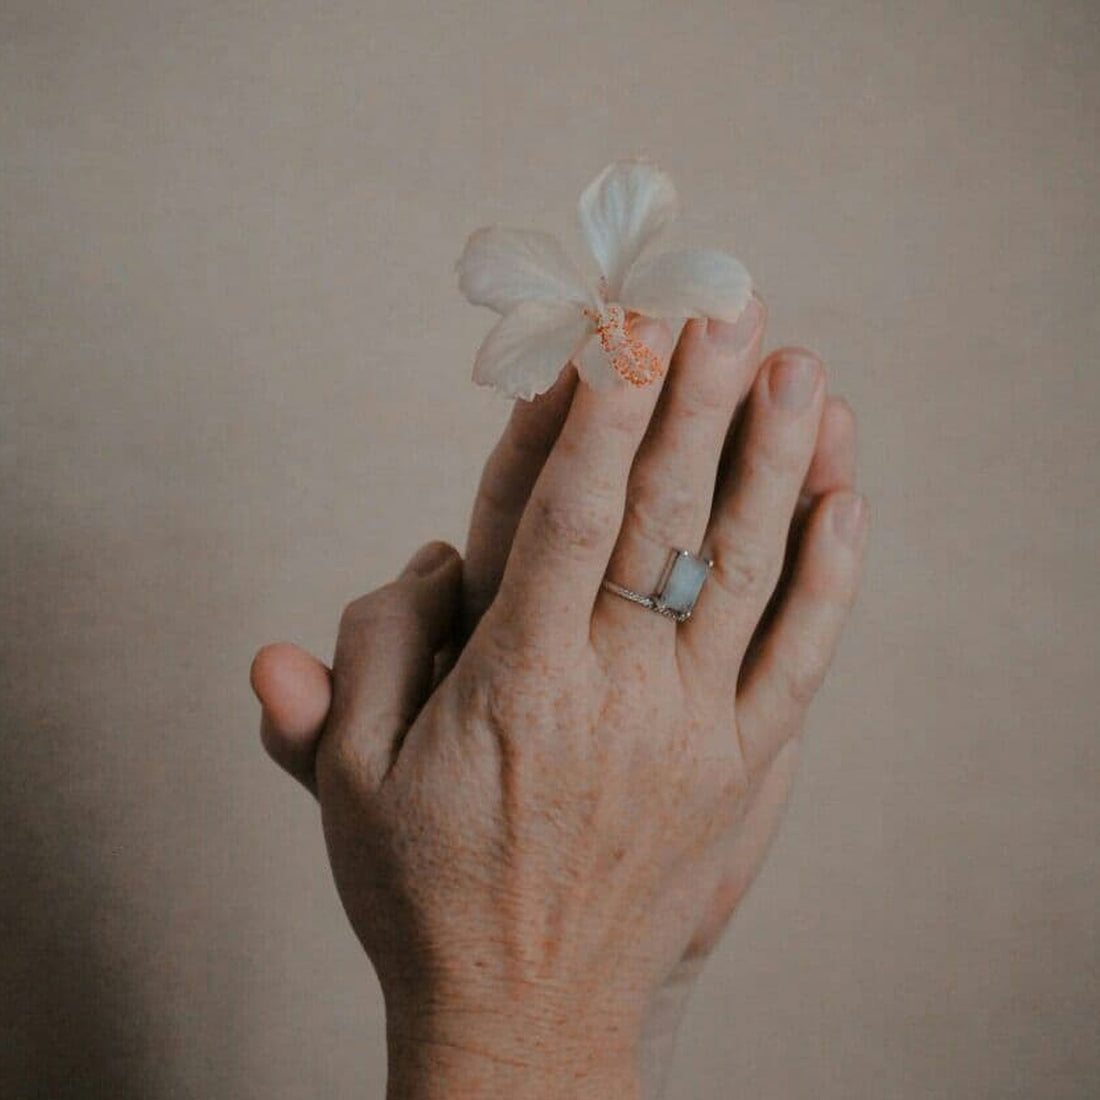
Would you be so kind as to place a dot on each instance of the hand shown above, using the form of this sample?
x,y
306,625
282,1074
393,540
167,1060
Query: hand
x,y
713,378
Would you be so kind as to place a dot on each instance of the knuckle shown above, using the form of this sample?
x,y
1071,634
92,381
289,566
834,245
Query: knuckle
x,y
838,599
351,615
704,392
846,601
801,676
734,783
662,508
529,438
622,422
743,568
389,606
497,489
834,592
576,527
341,760
776,457
724,772
386,605
522,445
844,595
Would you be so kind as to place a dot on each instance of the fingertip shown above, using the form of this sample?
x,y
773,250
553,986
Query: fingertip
x,y
432,557
795,351
789,353
560,393
260,673
440,577
841,408
733,338
624,408
293,688
790,386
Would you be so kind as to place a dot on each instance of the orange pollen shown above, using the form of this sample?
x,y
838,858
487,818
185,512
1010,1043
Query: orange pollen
x,y
631,359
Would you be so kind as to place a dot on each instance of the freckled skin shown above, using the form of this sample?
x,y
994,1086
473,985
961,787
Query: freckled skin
x,y
545,810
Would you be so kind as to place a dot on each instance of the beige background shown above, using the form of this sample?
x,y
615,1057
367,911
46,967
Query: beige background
x,y
235,394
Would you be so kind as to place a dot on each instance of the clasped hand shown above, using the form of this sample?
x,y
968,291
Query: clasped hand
x,y
542,803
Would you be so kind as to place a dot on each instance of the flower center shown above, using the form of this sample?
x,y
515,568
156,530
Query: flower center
x,y
629,357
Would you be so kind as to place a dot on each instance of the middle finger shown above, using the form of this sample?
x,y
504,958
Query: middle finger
x,y
672,482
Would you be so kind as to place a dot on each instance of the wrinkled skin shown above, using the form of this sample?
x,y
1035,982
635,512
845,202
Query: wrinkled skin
x,y
525,820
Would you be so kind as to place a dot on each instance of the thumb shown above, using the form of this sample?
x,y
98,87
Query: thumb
x,y
385,657
294,690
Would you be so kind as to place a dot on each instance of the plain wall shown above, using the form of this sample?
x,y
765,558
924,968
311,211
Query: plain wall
x,y
236,394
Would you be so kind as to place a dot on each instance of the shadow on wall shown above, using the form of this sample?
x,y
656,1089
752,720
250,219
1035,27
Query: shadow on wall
x,y
72,1018
70,1025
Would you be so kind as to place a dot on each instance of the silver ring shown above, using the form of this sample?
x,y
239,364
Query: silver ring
x,y
677,590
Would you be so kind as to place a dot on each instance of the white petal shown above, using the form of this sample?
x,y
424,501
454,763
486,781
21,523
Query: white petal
x,y
593,367
621,211
526,349
500,268
697,283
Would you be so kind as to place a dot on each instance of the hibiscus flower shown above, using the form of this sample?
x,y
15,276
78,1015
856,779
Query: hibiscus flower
x,y
552,313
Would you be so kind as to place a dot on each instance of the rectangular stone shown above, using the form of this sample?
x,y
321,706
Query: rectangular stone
x,y
683,581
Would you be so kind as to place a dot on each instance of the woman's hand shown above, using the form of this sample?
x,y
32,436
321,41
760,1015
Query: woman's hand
x,y
536,856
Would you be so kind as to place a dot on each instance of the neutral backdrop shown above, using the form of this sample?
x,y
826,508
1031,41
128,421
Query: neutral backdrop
x,y
236,394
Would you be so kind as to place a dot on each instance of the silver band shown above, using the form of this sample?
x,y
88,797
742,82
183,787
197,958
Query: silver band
x,y
650,603
677,591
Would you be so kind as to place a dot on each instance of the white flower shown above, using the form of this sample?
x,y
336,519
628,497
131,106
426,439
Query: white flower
x,y
550,313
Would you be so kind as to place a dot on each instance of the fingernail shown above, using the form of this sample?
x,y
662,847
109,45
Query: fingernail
x,y
429,558
736,337
793,381
848,517
655,334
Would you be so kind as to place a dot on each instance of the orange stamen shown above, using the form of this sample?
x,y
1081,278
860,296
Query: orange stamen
x,y
630,358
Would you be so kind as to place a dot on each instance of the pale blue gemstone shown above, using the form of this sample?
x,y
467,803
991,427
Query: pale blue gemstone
x,y
683,583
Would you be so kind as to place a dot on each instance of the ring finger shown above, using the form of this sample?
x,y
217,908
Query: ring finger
x,y
671,483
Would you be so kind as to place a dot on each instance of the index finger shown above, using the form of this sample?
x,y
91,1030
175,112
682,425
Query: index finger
x,y
506,483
